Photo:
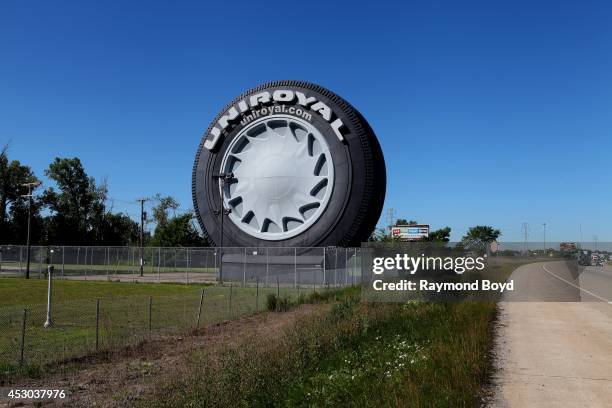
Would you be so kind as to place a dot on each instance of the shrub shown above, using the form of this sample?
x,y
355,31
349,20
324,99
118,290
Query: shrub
x,y
283,304
271,302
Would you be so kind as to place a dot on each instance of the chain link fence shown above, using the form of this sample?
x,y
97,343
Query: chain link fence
x,y
290,266
83,327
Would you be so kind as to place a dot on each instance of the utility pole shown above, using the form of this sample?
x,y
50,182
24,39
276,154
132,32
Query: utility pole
x,y
544,224
223,178
143,217
29,186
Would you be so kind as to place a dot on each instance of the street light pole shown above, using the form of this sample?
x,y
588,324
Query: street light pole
x,y
29,186
223,177
142,220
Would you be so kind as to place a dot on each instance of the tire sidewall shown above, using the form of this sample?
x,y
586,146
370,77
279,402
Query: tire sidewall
x,y
349,163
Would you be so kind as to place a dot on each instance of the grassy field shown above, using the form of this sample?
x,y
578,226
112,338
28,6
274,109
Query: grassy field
x,y
19,291
76,269
128,313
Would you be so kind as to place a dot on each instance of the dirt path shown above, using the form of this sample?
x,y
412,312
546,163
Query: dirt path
x,y
115,380
554,354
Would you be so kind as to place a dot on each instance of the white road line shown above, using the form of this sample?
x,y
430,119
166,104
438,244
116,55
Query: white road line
x,y
577,287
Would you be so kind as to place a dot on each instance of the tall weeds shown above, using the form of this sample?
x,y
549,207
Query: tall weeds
x,y
354,354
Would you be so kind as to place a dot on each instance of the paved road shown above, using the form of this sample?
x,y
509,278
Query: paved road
x,y
554,343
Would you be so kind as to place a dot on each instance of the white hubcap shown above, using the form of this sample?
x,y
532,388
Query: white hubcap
x,y
283,177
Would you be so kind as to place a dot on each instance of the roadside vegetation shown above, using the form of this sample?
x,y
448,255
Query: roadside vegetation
x,y
354,354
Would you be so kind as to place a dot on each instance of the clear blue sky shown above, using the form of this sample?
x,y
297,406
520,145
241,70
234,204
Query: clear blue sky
x,y
488,112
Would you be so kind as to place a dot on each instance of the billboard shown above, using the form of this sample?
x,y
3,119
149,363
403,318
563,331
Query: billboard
x,y
567,246
410,232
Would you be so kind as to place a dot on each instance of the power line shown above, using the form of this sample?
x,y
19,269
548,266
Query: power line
x,y
525,236
390,217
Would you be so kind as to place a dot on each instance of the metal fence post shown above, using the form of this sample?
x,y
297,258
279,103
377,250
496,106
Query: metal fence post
x,y
152,261
267,265
324,254
295,267
86,263
206,261
63,260
20,259
23,328
133,266
200,309
230,300
40,262
336,269
277,287
187,269
150,313
244,268
97,323
354,265
257,296
346,267
158,264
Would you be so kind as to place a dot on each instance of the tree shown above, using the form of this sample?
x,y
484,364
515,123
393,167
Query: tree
x,y
482,233
478,239
74,204
178,231
403,221
13,176
381,235
119,229
18,222
174,230
78,209
441,235
160,211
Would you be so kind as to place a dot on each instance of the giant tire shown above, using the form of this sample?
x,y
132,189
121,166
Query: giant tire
x,y
358,186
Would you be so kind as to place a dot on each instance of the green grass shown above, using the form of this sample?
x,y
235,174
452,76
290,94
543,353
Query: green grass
x,y
425,354
19,291
76,269
123,318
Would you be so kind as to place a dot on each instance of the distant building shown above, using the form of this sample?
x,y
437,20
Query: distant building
x,y
567,246
410,232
